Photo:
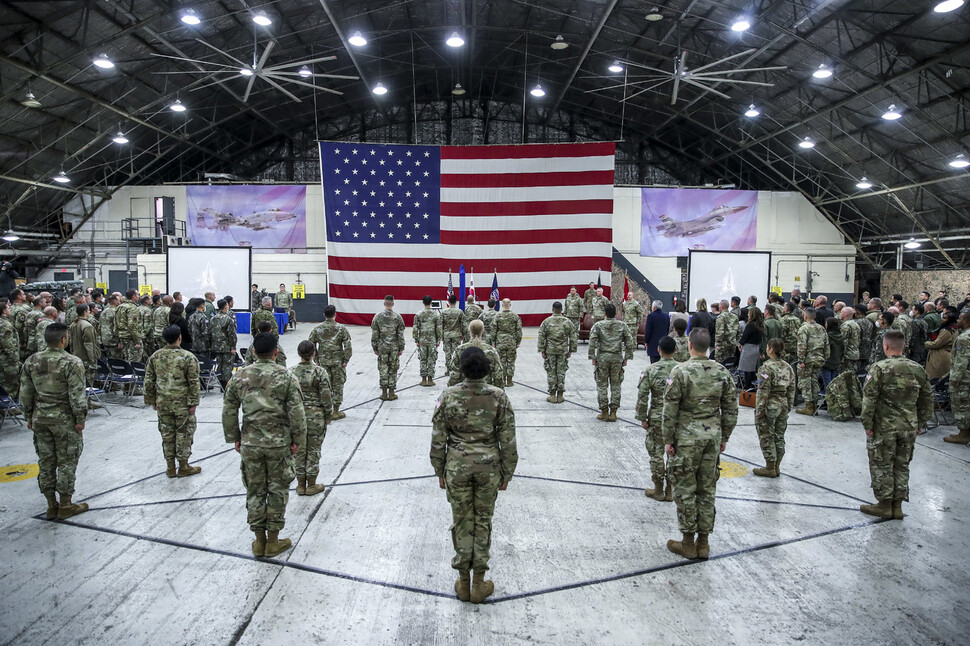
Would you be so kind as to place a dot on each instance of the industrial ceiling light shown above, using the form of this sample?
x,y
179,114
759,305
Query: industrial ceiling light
x,y
615,67
305,72
912,244
960,161
559,43
379,89
245,71
30,101
823,72
120,138
61,177
10,236
178,106
752,112
948,5
190,17
863,183
654,15
537,91
458,90
357,40
892,113
806,143
741,24
455,40
103,62
261,19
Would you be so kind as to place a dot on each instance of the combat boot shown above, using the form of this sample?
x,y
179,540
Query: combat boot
x,y
703,548
657,493
301,485
778,464
604,414
185,470
312,488
383,394
613,413
67,509
669,492
768,471
170,467
882,509
259,545
390,395
807,409
274,545
463,586
559,398
337,413
481,589
684,547
51,505
552,397
963,437
424,381
508,381
898,510
430,381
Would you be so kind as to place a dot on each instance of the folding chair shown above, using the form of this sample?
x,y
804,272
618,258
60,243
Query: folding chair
x,y
10,407
102,377
240,359
122,373
941,402
208,375
139,369
99,395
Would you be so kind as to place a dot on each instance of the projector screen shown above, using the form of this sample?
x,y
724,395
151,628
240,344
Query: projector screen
x,y
714,275
223,270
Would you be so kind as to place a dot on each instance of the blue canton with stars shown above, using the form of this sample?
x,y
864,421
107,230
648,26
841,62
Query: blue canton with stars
x,y
382,193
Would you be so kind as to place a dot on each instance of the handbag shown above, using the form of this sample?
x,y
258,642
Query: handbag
x,y
748,398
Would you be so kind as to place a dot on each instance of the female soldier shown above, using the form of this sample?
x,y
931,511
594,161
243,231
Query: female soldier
x,y
315,384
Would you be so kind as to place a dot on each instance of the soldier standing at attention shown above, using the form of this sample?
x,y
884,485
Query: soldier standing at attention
x,y
495,376
472,310
453,327
574,307
70,315
488,321
318,409
598,306
18,310
650,408
387,341
267,327
9,352
427,335
147,331
29,323
83,342
727,333
264,313
588,297
106,323
473,453
54,405
273,430
884,323
776,398
222,336
284,301
790,323
172,389
37,343
918,335
866,332
700,412
632,315
773,326
610,347
208,301
160,320
813,350
199,329
333,353
507,336
557,341
682,353
960,382
255,300
129,327
897,401
851,335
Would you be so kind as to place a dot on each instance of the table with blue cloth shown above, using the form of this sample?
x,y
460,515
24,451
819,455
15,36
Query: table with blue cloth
x,y
244,320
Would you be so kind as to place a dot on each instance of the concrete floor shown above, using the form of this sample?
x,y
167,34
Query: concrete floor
x,y
578,552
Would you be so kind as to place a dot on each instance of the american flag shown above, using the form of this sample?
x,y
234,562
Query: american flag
x,y
399,216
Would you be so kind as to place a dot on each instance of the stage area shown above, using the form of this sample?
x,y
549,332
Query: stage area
x,y
578,553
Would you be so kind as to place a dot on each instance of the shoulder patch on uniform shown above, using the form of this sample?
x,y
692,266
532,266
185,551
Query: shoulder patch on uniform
x,y
670,380
437,403
868,376
764,375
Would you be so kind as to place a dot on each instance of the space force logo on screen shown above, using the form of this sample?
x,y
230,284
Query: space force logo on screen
x,y
675,220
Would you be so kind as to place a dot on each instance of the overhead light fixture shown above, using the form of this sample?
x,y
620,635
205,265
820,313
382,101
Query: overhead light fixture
x,y
948,5
357,40
654,15
10,236
103,62
455,40
61,177
458,90
912,244
190,17
615,67
379,89
863,183
892,113
823,72
752,112
559,43
245,71
30,101
120,138
537,91
305,72
960,161
806,143
261,19
741,24
178,106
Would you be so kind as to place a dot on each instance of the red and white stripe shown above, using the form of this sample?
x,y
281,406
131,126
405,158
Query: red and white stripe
x,y
540,215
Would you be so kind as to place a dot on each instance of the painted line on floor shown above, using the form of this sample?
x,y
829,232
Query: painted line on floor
x,y
786,502
803,480
942,452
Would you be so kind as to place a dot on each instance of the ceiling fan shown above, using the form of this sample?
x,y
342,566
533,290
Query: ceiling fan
x,y
296,72
703,77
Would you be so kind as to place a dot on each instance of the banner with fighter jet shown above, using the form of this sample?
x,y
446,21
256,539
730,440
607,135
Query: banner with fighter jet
x,y
270,219
674,221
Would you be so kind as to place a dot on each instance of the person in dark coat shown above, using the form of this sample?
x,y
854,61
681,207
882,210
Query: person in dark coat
x,y
702,318
658,325
8,278
176,316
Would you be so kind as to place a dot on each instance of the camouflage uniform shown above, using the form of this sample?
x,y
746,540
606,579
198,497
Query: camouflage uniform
x,y
255,300
682,353
495,375
453,328
333,351
427,334
83,344
727,333
106,326
201,334
37,340
159,323
147,331
9,357
488,320
472,312
387,340
776,397
598,308
251,358
896,401
850,353
865,341
790,325
918,336
610,344
878,353
53,400
70,314
650,408
960,381
573,309
223,339
31,319
272,420
557,340
588,297
507,335
265,314
130,330
700,412
473,449
318,408
172,386
813,350
843,397
284,301
18,313
632,316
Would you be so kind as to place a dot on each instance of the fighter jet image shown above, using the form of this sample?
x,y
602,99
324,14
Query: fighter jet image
x,y
713,219
257,220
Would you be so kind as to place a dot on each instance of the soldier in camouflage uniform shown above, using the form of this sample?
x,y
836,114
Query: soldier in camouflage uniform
x,y
147,332
960,382
897,401
474,455
130,328
318,407
588,297
9,352
37,343
264,313
682,353
106,327
700,412
267,327
632,315
557,341
427,335
70,314
488,321
284,301
866,332
813,350
851,334
84,342
610,347
172,389
495,376
574,307
333,353
53,400
223,338
727,333
650,407
200,330
256,297
273,430
18,310
472,310
918,335
789,332
506,337
387,341
29,323
884,323
598,306
843,397
160,320
775,399
453,327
